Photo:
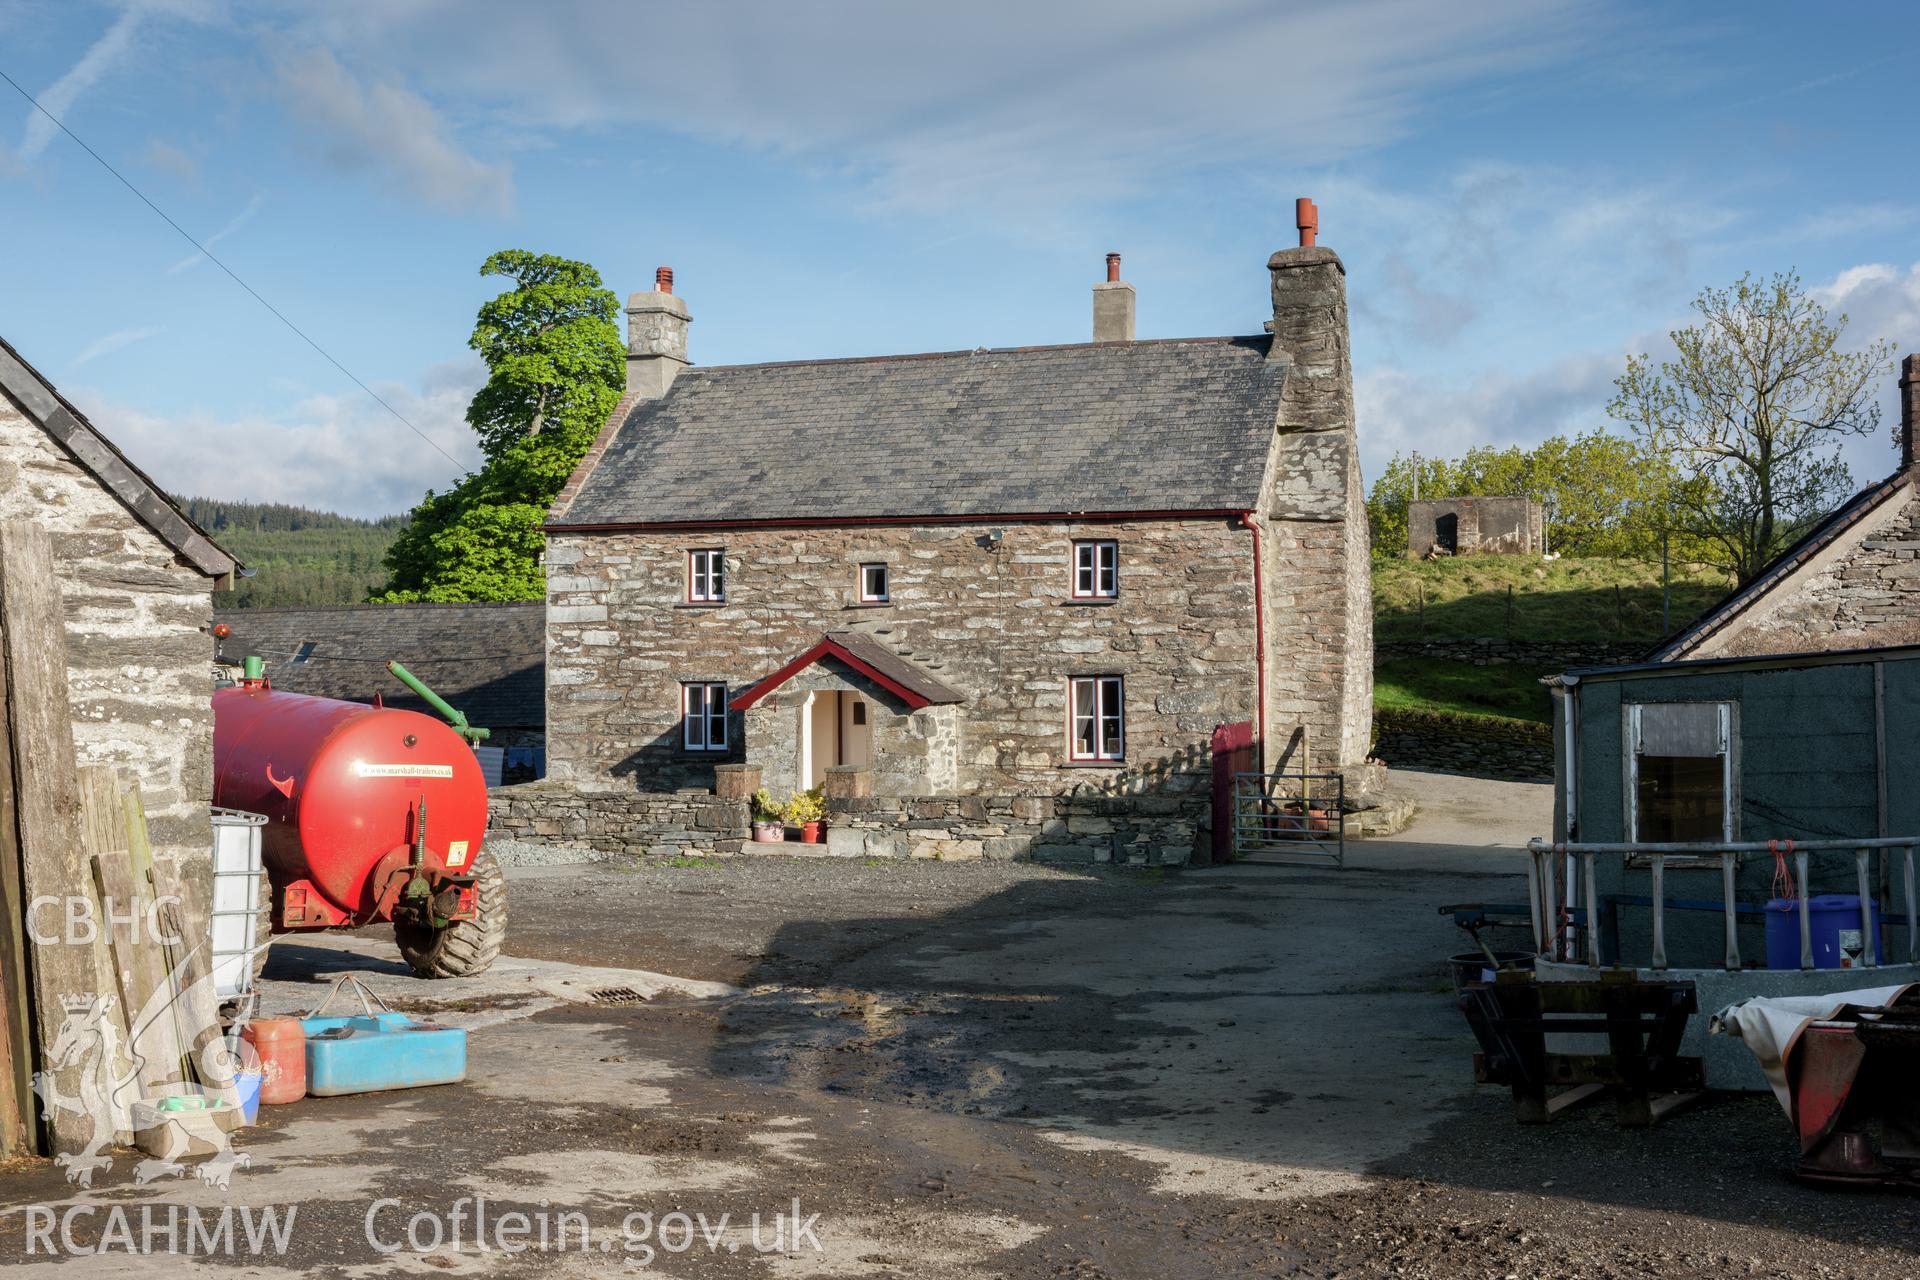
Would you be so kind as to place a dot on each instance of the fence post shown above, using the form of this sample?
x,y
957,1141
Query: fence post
x,y
1867,957
1593,909
1733,919
1806,919
1913,925
1533,898
1659,910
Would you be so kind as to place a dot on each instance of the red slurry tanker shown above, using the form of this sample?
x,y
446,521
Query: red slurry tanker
x,y
373,813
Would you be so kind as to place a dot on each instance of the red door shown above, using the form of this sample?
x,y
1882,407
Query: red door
x,y
1233,752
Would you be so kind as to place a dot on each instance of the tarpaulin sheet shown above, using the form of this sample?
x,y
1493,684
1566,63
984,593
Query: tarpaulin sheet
x,y
1769,1025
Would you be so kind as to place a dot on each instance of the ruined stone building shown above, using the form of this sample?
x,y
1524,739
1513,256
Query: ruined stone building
x,y
1476,526
1005,572
137,579
1853,582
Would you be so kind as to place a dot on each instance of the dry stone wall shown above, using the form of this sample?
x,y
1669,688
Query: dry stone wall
x,y
1159,829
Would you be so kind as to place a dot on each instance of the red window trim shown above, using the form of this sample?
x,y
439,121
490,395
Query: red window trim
x,y
886,578
720,553
1096,593
708,718
1074,753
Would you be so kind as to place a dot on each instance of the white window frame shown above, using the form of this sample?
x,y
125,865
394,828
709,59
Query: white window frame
x,y
1729,802
703,712
707,576
885,595
1099,702
1096,569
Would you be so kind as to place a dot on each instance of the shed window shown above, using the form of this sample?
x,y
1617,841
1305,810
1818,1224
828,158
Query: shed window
x,y
1681,786
703,716
707,576
873,584
1096,570
1097,725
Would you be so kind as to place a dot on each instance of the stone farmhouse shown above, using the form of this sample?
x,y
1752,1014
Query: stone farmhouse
x,y
985,585
137,579
1853,582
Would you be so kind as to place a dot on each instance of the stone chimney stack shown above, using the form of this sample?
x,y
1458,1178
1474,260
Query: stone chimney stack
x,y
1909,410
1113,306
656,337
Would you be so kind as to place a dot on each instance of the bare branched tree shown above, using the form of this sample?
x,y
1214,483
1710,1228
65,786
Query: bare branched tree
x,y
1752,412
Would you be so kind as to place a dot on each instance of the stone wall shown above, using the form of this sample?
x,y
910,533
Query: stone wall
x,y
1483,526
139,658
1493,652
619,821
1482,746
995,619
1157,828
1862,591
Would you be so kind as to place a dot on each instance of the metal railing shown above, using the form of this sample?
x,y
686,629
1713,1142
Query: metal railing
x,y
1290,817
1556,922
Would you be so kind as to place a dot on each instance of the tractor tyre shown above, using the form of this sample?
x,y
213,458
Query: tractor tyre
x,y
465,947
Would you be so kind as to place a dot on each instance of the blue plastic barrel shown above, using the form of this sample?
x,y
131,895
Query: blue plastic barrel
x,y
1833,922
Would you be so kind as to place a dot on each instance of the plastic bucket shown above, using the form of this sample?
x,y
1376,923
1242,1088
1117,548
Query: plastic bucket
x,y
1833,923
247,1085
1472,966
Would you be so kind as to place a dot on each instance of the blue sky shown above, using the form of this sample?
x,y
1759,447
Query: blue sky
x,y
1524,191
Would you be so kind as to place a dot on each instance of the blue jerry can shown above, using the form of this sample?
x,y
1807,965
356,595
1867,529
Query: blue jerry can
x,y
368,1053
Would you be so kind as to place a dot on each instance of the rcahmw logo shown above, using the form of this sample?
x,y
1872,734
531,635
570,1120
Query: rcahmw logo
x,y
230,1231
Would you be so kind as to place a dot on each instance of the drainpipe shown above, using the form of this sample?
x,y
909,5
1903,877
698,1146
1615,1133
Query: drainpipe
x,y
1259,637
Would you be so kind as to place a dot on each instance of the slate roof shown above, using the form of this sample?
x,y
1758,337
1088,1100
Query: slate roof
x,y
82,442
1780,569
488,660
1177,425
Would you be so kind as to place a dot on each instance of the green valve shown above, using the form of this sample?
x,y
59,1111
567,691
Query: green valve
x,y
254,668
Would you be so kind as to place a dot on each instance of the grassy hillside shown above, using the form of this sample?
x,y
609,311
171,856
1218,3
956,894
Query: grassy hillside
x,y
1525,598
299,556
1550,602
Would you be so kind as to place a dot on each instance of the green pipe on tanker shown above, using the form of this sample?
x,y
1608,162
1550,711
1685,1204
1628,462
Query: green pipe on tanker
x,y
438,703
253,668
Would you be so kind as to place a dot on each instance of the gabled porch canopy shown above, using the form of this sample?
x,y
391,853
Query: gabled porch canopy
x,y
913,685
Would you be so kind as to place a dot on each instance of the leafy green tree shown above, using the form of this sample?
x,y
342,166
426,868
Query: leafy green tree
x,y
1751,414
556,366
1603,493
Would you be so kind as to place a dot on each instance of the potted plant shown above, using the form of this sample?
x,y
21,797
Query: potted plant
x,y
767,825
808,811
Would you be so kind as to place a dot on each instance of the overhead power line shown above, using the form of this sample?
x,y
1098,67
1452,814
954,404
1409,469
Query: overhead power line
x,y
209,255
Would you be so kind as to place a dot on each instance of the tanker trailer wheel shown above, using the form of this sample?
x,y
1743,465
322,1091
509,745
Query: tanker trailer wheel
x,y
466,946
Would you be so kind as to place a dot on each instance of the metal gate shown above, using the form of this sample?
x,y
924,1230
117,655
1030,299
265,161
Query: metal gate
x,y
1290,818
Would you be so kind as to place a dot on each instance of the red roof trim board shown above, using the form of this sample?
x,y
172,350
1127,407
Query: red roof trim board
x,y
834,649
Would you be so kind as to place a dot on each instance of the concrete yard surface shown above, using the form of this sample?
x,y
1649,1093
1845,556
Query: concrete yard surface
x,y
995,1069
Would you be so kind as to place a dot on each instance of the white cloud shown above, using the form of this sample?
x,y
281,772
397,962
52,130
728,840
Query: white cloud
x,y
168,158
392,132
109,343
339,453
975,105
58,98
238,221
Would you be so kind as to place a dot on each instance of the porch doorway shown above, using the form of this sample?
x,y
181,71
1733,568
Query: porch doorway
x,y
836,728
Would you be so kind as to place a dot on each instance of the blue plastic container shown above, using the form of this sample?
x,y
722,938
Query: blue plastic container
x,y
1833,922
367,1054
247,1085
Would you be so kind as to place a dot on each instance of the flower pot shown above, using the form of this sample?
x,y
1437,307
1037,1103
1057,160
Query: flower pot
x,y
813,832
769,833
